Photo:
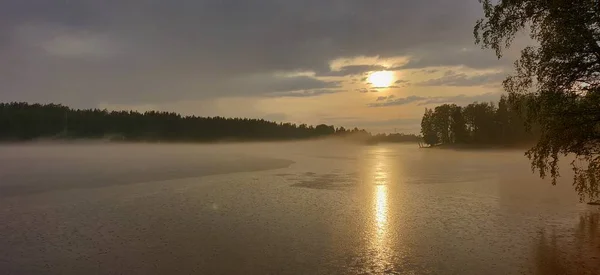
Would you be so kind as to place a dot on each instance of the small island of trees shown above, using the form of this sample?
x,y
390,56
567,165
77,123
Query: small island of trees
x,y
477,124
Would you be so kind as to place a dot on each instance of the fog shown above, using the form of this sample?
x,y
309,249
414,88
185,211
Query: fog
x,y
319,207
35,168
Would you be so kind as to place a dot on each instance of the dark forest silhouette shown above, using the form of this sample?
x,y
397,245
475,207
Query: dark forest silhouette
x,y
475,124
24,121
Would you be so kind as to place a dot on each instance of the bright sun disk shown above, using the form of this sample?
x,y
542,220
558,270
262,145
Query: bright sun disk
x,y
381,78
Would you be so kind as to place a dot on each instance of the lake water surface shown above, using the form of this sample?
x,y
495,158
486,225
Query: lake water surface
x,y
287,208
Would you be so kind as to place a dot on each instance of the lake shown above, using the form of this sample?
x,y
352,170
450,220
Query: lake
x,y
287,208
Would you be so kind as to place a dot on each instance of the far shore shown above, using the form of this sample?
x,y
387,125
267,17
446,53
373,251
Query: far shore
x,y
91,141
480,147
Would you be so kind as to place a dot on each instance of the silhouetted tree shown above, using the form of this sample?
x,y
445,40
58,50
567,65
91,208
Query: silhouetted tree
x,y
476,123
556,83
430,135
458,125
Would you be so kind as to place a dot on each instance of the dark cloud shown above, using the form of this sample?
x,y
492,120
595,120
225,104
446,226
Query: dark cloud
x,y
376,89
384,98
353,70
451,78
138,88
155,51
401,83
457,99
365,90
469,56
283,84
430,71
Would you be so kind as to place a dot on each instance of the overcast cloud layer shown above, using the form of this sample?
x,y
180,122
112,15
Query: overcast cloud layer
x,y
135,52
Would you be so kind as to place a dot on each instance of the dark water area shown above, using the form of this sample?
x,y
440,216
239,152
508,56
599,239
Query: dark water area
x,y
287,208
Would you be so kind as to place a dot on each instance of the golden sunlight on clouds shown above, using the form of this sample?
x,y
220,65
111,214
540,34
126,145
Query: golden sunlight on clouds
x,y
339,63
381,78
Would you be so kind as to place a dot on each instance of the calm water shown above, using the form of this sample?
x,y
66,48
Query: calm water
x,y
287,208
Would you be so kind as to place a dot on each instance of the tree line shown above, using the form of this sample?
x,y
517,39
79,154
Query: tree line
x,y
482,123
24,121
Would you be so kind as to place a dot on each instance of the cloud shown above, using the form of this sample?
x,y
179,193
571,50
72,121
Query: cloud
x,y
457,99
430,71
462,99
398,101
376,89
401,83
63,41
365,90
383,98
273,84
353,70
451,78
157,51
307,93
470,57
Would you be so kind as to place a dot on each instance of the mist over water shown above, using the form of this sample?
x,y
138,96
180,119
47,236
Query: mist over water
x,y
286,208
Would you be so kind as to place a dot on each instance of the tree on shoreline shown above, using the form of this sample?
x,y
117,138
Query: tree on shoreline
x,y
474,124
556,85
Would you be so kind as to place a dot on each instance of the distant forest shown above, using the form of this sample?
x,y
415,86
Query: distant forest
x,y
24,121
476,124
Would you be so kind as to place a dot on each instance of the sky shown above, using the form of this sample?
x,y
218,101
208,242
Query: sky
x,y
295,61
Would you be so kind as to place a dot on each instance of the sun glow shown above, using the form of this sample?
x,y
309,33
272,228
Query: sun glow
x,y
381,78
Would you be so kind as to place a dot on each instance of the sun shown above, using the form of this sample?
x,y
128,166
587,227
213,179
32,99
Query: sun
x,y
381,78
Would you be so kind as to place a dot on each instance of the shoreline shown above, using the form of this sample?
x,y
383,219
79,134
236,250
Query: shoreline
x,y
479,147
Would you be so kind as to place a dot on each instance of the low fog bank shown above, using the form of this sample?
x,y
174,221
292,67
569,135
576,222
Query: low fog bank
x,y
51,165
524,146
361,137
48,166
29,168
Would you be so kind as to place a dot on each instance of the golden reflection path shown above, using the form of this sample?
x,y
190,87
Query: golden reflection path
x,y
380,245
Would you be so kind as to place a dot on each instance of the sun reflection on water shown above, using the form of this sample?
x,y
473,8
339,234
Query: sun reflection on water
x,y
381,211
380,243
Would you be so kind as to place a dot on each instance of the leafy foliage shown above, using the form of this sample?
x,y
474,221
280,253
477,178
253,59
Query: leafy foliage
x,y
430,135
556,83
